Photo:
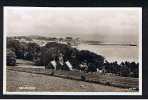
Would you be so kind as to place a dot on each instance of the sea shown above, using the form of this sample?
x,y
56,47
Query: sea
x,y
113,53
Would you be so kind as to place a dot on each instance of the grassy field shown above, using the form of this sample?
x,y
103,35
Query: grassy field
x,y
26,77
22,81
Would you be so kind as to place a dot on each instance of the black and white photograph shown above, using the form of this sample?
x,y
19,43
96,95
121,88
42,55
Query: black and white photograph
x,y
72,50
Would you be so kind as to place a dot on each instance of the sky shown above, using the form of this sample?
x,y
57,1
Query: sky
x,y
113,25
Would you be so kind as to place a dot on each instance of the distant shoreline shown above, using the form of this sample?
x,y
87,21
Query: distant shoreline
x,y
92,42
104,44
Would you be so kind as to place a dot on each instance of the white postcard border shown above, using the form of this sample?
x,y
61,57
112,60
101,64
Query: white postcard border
x,y
76,93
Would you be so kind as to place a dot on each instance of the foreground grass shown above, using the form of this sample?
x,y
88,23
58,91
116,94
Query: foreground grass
x,y
25,74
18,81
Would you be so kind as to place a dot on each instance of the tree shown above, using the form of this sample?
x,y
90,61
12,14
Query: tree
x,y
16,47
93,60
32,50
52,50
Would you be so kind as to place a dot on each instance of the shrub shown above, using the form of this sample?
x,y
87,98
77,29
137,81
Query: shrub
x,y
16,47
11,58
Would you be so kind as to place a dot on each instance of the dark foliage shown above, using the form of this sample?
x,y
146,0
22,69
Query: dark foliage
x,y
16,47
11,58
93,60
125,69
32,50
23,50
52,50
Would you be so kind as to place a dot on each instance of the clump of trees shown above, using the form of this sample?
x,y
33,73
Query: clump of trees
x,y
11,58
16,47
93,60
125,69
23,50
52,50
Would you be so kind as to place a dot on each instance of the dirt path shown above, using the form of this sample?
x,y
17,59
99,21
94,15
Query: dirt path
x,y
22,81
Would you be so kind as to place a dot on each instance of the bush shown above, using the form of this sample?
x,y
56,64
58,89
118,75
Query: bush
x,y
16,47
11,58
